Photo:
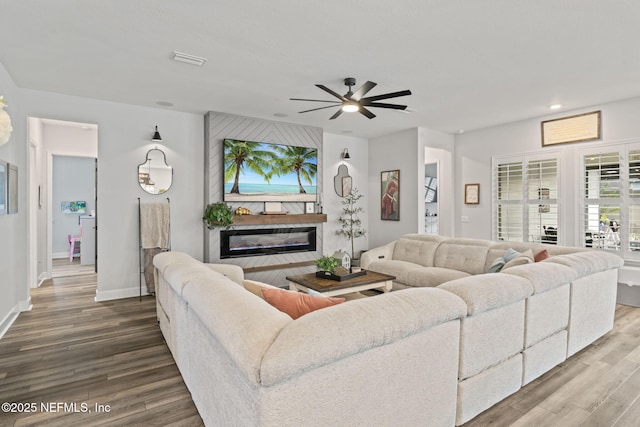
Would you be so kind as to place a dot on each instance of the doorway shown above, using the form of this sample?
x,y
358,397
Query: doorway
x,y
431,198
63,158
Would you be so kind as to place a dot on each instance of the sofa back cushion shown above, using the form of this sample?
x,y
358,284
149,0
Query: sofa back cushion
x,y
416,248
245,326
468,255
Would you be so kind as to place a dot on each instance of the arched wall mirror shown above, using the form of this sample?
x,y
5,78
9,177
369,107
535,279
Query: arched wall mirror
x,y
155,175
342,182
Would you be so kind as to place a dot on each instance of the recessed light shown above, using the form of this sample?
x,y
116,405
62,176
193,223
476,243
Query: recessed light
x,y
555,106
280,115
188,58
460,131
347,131
165,103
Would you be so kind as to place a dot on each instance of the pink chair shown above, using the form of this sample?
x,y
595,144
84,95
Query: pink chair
x,y
73,248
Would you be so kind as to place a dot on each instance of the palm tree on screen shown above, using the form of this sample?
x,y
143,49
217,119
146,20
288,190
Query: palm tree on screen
x,y
239,155
300,160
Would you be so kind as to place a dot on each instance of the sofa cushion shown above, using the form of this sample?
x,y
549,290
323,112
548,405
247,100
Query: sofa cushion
x,y
468,255
297,304
418,250
432,276
394,267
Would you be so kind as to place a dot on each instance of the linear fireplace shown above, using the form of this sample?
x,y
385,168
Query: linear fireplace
x,y
266,241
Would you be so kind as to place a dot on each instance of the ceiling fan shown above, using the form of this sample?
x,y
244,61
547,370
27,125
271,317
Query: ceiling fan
x,y
351,101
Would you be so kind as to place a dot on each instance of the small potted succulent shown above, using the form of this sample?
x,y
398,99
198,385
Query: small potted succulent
x,y
218,215
327,265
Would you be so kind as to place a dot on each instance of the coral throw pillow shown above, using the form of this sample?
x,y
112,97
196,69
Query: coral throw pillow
x,y
541,255
297,304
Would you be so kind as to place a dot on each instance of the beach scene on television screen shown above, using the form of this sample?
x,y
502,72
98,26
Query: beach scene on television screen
x,y
260,171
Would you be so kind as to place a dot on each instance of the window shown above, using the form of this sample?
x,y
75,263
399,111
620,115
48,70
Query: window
x,y
525,199
611,199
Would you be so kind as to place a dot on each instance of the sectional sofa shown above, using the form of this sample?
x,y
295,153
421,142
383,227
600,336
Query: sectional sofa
x,y
387,360
435,352
521,321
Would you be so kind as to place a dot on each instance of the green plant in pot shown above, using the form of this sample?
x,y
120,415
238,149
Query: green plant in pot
x,y
327,263
218,215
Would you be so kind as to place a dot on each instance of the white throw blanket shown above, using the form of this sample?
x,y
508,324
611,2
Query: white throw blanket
x,y
154,225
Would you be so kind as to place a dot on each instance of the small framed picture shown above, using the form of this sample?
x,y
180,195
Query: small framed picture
x,y
309,207
472,194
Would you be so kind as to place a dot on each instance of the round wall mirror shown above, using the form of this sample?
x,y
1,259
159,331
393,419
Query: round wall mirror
x,y
342,182
155,175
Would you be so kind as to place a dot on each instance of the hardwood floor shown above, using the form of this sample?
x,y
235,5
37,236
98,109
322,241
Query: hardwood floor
x,y
63,268
70,349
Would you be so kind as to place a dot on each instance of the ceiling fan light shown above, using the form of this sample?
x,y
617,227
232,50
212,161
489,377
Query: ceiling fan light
x,y
350,107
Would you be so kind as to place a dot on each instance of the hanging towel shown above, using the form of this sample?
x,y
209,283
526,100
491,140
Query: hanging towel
x,y
154,225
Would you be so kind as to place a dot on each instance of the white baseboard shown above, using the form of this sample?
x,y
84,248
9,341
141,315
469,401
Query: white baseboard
x,y
60,255
119,294
8,320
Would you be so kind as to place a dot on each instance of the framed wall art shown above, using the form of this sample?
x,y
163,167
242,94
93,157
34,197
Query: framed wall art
x,y
578,128
390,195
472,194
74,207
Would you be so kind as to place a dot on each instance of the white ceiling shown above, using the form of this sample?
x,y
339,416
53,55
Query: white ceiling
x,y
470,64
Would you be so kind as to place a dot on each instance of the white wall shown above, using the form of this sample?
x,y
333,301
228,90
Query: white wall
x,y
358,166
14,292
474,151
124,133
391,152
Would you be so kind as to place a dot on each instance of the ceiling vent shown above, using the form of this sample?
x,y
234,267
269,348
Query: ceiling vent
x,y
188,59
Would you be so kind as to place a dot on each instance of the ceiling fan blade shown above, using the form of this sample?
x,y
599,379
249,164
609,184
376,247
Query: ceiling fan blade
x,y
336,115
316,109
366,113
313,100
369,100
384,105
363,90
337,95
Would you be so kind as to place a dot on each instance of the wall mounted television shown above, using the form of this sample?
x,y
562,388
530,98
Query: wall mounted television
x,y
266,172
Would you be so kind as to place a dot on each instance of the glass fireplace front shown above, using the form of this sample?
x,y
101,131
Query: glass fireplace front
x,y
266,241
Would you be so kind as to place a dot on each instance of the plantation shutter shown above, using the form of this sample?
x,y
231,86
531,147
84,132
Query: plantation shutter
x,y
542,203
509,180
526,199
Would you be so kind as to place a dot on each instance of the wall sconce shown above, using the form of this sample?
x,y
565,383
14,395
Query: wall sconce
x,y
345,154
156,136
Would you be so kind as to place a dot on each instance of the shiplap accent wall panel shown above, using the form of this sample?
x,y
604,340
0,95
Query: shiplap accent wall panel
x,y
219,126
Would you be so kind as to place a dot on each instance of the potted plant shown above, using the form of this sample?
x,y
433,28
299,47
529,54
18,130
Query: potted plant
x,y
218,214
350,223
327,264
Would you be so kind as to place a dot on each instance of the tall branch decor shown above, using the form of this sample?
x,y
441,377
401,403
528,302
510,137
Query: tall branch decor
x,y
350,223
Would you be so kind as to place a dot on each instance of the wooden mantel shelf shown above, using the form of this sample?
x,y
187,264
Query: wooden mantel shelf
x,y
278,219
